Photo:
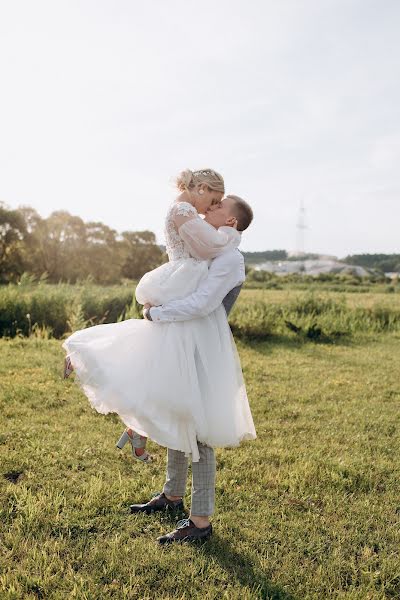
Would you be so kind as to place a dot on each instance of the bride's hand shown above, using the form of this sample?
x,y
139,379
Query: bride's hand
x,y
145,307
231,222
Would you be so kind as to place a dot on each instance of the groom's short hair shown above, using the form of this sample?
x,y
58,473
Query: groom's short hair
x,y
243,212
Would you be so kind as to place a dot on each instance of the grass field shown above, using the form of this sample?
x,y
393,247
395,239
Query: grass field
x,y
54,310
311,509
353,300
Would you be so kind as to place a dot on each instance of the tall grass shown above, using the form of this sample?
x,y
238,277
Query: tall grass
x,y
311,316
60,308
56,310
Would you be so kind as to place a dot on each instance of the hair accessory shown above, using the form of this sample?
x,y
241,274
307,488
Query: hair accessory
x,y
206,172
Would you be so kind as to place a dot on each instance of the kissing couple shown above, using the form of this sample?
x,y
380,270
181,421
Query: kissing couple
x,y
175,376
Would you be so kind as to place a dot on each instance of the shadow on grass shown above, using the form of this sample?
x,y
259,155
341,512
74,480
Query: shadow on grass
x,y
264,345
241,567
237,565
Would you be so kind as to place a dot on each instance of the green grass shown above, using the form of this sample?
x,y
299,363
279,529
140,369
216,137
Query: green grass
x,y
55,310
365,300
310,509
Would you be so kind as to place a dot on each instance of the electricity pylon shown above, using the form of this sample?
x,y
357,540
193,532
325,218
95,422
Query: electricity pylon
x,y
300,230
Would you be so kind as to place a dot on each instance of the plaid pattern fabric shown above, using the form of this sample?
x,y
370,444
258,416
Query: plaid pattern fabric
x,y
203,479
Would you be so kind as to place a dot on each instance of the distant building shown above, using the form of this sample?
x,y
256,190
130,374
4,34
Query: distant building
x,y
295,254
311,267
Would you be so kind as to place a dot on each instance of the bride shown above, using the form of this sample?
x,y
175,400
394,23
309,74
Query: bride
x,y
177,383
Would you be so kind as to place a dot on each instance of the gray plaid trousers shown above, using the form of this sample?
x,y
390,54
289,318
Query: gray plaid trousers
x,y
203,479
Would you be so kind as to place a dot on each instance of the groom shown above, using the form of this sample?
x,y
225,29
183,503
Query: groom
x,y
225,278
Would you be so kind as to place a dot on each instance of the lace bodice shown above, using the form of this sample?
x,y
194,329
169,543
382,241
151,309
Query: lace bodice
x,y
187,235
191,243
175,245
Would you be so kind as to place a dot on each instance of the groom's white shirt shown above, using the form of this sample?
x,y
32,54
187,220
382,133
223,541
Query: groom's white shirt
x,y
225,272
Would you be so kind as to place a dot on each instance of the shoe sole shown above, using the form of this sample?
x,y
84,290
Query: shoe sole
x,y
188,539
150,511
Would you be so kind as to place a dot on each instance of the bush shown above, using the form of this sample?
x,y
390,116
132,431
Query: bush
x,y
254,321
60,309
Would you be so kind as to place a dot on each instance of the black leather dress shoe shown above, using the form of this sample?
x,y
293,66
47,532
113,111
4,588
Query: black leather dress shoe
x,y
159,502
186,531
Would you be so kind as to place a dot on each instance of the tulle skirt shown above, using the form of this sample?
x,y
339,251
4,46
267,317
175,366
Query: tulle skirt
x,y
176,383
171,281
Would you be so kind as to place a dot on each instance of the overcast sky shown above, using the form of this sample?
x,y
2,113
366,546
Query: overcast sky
x,y
103,102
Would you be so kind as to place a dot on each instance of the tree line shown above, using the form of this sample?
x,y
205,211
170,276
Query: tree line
x,y
387,263
253,258
65,248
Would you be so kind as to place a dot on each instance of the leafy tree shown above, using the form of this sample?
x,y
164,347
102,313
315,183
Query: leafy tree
x,y
66,248
141,253
12,237
253,258
383,262
103,253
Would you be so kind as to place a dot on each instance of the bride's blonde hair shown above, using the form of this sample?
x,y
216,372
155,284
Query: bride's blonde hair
x,y
187,180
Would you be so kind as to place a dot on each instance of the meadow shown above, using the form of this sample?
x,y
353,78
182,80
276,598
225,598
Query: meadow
x,y
309,510
54,310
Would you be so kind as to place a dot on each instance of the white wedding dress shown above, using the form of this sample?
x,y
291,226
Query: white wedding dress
x,y
176,383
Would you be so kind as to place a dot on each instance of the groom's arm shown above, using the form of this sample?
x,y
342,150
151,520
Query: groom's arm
x,y
225,272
